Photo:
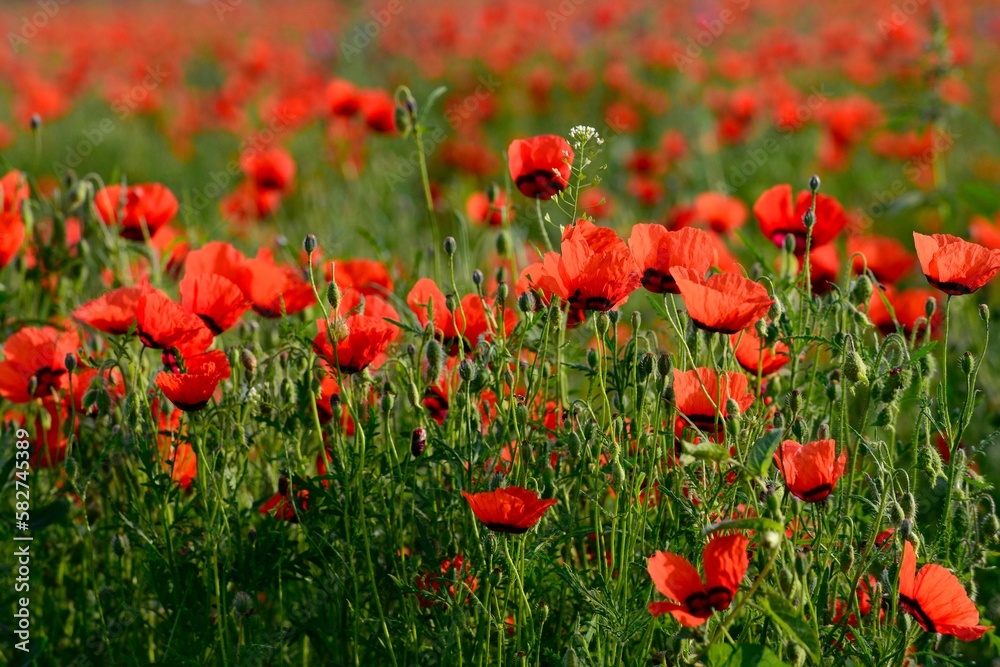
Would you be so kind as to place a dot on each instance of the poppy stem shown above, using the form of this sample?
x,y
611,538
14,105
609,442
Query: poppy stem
x,y
541,226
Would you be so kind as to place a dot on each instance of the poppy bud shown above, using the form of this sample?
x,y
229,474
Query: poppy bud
x,y
644,366
411,351
467,370
521,413
70,362
36,121
855,369
120,545
418,441
887,416
489,542
333,296
909,505
771,540
833,390
570,659
814,183
309,243
592,358
450,246
451,302
242,604
862,290
526,302
930,307
249,361
965,362
773,333
809,219
573,443
496,576
991,527
503,244
502,291
778,420
788,244
796,654
930,461
984,313
508,377
905,529
388,401
664,365
847,562
793,401
896,514
79,194
435,360
861,319
617,475
774,498
732,408
760,328
636,321
823,432
787,582
477,277
413,395
603,323
668,394
798,428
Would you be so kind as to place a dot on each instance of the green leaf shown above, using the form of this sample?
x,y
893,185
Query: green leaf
x,y
755,523
762,453
743,655
706,451
792,623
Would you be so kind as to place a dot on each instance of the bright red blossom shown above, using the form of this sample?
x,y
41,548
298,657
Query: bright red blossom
x,y
690,600
778,217
657,250
508,510
191,389
700,394
725,303
150,204
35,363
360,341
540,166
810,470
953,265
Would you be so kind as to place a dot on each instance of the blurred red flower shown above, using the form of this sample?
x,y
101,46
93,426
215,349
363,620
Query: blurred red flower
x,y
508,510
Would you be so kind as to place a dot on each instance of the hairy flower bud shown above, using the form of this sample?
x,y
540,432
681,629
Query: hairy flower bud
x,y
603,323
467,370
435,360
333,296
966,363
984,313
664,365
526,302
862,290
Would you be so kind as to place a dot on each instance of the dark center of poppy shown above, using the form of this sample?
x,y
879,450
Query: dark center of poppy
x,y
659,281
720,597
540,184
817,493
47,378
699,605
913,608
953,288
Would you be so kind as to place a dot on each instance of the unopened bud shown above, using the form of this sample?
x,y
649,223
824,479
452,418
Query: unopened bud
x,y
603,323
242,604
450,246
965,362
388,401
732,408
502,291
120,545
776,309
570,659
467,370
823,432
36,122
70,362
333,296
862,291
592,358
809,219
526,302
248,361
477,277
451,302
788,243
309,243
636,321
814,183
984,312
930,307
418,441
503,243
664,365
435,360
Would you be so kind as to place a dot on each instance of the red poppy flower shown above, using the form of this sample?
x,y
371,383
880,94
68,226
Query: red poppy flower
x,y
595,270
379,110
113,313
35,363
886,258
149,204
725,303
182,463
722,213
247,203
360,340
935,597
216,300
752,353
190,390
217,257
269,169
690,600
540,166
657,250
509,510
810,470
469,322
700,394
481,211
909,305
163,324
953,265
282,506
342,98
596,202
11,236
778,217
985,232
272,288
365,275
453,577
13,190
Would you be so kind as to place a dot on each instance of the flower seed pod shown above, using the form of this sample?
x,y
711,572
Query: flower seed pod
x,y
418,441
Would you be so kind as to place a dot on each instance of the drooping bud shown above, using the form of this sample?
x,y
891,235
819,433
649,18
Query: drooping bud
x,y
776,310
862,290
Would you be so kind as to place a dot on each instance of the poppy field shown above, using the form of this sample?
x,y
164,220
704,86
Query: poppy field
x,y
517,333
